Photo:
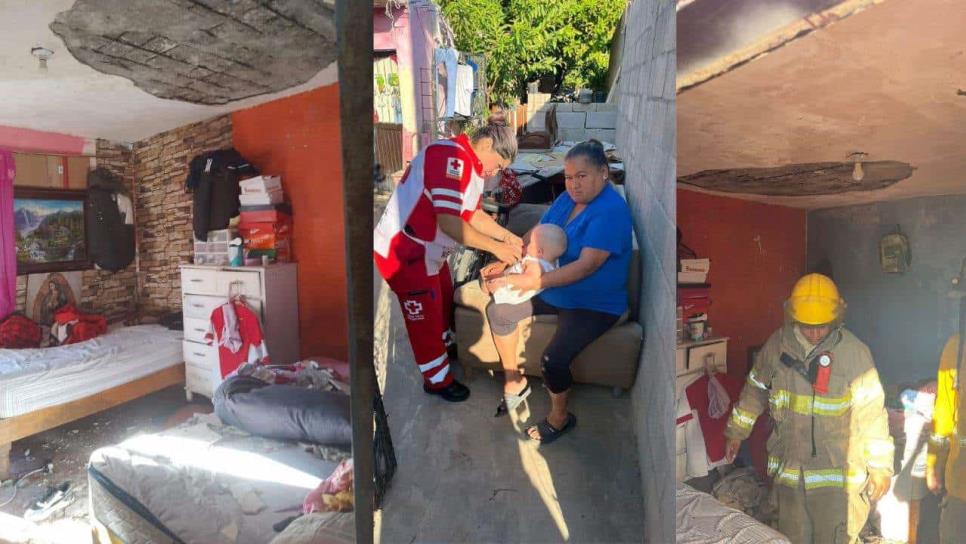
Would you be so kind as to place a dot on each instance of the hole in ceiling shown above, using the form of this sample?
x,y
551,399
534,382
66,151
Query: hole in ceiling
x,y
201,51
823,178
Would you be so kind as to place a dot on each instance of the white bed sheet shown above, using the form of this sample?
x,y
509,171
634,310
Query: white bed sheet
x,y
31,379
701,519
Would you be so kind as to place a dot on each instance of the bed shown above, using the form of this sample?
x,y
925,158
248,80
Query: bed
x,y
46,387
202,481
701,519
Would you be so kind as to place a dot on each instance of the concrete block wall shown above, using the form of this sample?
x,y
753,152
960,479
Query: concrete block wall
x,y
646,137
538,104
578,122
163,209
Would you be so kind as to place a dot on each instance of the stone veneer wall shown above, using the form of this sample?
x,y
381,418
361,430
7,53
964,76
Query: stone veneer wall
x,y
163,209
107,293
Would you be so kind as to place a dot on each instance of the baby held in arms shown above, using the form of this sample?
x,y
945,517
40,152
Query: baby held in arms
x,y
547,243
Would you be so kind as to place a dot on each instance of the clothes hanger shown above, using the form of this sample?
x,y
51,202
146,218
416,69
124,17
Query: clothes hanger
x,y
234,291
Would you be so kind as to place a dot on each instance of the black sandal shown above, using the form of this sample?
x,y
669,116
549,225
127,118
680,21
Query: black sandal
x,y
509,402
548,433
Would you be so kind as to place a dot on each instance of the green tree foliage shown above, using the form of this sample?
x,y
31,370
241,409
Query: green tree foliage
x,y
524,40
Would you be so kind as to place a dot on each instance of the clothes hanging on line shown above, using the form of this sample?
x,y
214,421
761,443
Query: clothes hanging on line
x,y
464,90
449,58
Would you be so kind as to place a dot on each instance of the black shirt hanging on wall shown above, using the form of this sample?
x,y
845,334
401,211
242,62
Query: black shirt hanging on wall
x,y
213,179
110,237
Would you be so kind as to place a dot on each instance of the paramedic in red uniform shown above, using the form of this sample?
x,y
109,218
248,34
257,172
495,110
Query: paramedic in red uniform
x,y
434,210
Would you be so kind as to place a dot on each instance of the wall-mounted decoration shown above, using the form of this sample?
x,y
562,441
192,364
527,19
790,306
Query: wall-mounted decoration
x,y
50,231
46,293
895,254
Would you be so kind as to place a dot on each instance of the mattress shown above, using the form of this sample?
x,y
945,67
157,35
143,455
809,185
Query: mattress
x,y
31,379
701,519
200,482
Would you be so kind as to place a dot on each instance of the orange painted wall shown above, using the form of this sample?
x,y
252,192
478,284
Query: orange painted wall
x,y
757,253
298,139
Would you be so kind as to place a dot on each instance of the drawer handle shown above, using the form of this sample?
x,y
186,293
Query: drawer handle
x,y
198,305
200,330
198,354
197,280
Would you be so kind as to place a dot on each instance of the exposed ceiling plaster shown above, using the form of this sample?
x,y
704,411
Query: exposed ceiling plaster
x,y
72,98
200,53
825,178
884,81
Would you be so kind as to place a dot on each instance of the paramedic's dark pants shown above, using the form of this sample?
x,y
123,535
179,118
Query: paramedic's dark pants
x,y
576,329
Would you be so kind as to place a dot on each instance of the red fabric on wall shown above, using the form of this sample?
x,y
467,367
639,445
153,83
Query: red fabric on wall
x,y
298,138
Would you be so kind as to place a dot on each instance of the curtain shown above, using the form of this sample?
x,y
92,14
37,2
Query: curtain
x,y
8,248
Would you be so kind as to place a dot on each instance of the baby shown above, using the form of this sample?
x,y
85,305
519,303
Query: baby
x,y
547,243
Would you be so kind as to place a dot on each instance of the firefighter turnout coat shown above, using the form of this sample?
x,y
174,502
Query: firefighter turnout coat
x,y
828,435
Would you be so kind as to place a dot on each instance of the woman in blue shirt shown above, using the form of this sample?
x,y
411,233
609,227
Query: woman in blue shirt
x,y
587,292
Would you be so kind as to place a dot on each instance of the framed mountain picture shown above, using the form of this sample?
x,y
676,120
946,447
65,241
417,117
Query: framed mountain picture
x,y
49,225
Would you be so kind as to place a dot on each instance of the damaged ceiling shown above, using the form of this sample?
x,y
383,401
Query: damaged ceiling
x,y
153,65
827,178
884,81
202,52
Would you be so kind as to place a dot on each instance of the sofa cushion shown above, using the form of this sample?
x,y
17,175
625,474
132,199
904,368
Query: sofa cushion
x,y
471,295
610,360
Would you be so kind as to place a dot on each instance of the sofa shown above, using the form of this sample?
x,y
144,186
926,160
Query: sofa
x,y
611,360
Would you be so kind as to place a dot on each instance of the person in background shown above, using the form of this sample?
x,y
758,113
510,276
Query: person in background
x,y
830,452
434,210
945,462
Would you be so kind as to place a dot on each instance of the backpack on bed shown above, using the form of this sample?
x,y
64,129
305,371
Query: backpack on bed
x,y
18,332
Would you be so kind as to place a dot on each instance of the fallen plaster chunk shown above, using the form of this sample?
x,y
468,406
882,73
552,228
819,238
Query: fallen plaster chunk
x,y
230,531
247,498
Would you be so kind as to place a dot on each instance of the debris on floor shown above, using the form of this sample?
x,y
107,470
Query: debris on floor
x,y
68,449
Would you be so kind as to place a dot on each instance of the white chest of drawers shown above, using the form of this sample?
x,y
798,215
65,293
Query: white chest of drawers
x,y
272,291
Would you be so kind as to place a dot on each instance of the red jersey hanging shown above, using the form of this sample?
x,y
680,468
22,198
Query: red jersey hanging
x,y
238,333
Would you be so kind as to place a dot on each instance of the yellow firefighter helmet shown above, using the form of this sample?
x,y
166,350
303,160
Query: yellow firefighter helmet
x,y
815,300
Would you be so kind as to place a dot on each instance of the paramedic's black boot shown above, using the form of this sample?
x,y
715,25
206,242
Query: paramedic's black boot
x,y
454,392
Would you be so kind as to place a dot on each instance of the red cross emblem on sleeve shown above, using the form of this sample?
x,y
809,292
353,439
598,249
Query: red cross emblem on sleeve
x,y
454,169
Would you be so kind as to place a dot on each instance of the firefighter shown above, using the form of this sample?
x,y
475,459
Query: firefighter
x,y
945,464
830,454
436,208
